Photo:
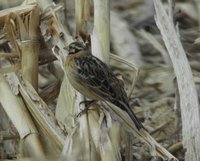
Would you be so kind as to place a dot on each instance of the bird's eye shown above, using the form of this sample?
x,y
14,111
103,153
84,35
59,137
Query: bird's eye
x,y
76,47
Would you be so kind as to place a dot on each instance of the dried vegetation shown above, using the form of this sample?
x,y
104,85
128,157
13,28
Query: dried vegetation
x,y
151,55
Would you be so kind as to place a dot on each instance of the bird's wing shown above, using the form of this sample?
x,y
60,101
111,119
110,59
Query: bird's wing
x,y
96,76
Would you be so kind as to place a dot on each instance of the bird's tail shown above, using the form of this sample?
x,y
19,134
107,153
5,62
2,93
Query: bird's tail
x,y
133,117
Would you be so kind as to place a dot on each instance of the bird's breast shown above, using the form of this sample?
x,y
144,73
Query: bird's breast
x,y
72,72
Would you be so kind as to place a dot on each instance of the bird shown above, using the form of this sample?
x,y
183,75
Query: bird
x,y
95,80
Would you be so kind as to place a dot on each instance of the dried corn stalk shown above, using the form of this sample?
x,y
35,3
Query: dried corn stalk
x,y
188,94
88,138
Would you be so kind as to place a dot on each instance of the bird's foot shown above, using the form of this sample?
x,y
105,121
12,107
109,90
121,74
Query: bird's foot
x,y
87,105
82,112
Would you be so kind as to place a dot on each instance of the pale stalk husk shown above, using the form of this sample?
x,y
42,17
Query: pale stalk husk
x,y
82,15
66,102
30,47
106,140
115,134
86,11
29,63
42,115
23,123
189,103
84,132
102,26
27,46
79,7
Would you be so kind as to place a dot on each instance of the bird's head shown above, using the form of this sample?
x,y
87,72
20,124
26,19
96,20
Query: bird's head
x,y
76,47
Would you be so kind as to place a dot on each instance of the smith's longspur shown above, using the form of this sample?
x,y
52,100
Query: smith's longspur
x,y
95,80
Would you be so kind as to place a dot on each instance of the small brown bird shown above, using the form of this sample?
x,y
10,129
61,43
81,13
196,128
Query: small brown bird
x,y
95,80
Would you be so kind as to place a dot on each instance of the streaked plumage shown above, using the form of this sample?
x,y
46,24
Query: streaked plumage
x,y
95,80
